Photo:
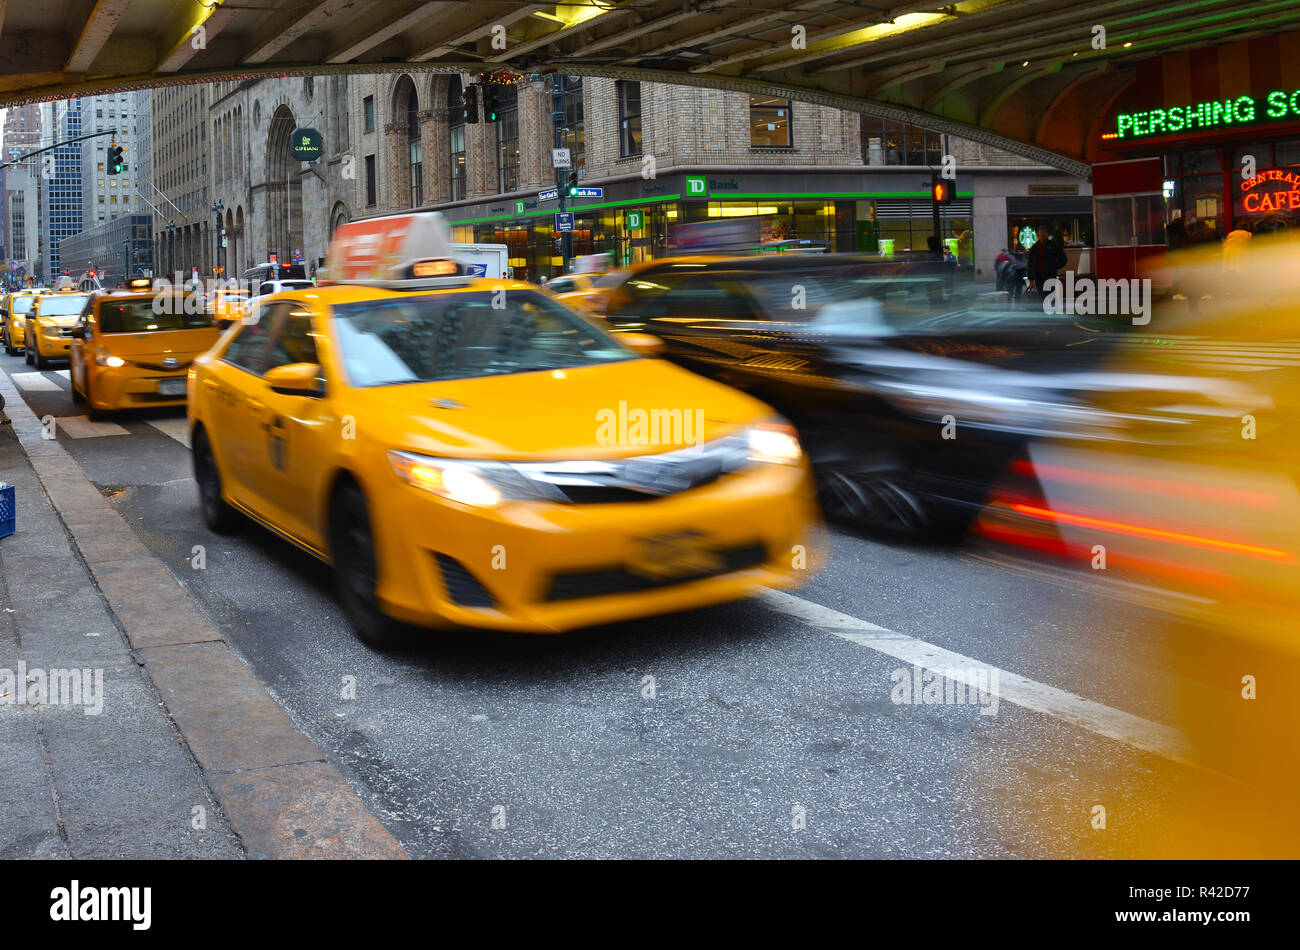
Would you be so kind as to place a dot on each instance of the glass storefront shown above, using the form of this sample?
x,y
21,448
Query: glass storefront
x,y
781,225
1248,186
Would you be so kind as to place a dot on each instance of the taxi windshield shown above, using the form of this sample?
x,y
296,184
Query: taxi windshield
x,y
63,306
434,337
23,304
141,316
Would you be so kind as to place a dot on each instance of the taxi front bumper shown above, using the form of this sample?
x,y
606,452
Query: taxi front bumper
x,y
543,567
52,347
132,388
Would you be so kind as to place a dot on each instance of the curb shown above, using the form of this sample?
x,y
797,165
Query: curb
x,y
281,795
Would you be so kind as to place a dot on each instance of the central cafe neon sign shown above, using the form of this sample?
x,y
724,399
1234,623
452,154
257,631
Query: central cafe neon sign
x,y
1276,200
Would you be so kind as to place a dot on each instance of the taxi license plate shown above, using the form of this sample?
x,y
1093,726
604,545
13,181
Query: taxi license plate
x,y
171,387
669,556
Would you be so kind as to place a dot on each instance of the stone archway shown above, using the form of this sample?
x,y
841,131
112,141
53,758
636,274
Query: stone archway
x,y
283,187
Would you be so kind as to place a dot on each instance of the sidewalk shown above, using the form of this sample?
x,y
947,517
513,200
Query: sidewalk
x,y
189,756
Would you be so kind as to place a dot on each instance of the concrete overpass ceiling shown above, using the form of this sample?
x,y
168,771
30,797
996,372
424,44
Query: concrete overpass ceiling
x,y
1021,74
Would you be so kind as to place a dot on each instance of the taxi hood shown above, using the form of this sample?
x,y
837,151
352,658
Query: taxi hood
x,y
614,410
180,342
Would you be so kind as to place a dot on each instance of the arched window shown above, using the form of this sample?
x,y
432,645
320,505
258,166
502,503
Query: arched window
x,y
415,149
508,137
456,138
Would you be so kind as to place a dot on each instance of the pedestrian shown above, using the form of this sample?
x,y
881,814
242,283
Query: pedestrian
x,y
1044,262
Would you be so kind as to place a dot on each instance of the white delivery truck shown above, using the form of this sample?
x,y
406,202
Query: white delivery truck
x,y
484,260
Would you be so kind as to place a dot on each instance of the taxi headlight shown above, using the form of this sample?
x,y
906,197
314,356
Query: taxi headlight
x,y
456,480
50,329
774,442
103,358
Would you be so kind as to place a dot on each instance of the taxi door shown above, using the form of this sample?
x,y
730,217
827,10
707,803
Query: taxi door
x,y
232,394
298,434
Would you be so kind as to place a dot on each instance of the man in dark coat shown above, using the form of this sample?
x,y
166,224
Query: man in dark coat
x,y
1046,259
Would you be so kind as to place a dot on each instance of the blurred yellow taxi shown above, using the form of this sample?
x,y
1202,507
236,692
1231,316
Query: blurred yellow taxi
x,y
228,305
48,333
133,349
467,451
13,312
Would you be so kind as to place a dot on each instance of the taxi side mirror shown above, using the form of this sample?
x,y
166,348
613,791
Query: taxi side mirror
x,y
643,344
295,379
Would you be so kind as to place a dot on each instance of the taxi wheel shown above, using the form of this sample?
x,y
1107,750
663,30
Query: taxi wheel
x,y
352,549
217,515
76,393
27,355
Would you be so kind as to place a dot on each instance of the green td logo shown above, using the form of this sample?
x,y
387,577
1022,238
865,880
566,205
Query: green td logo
x,y
634,221
695,185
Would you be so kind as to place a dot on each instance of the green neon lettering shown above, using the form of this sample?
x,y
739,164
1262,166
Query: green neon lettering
x,y
1276,105
1157,120
1217,116
1295,102
1125,122
1176,121
1244,109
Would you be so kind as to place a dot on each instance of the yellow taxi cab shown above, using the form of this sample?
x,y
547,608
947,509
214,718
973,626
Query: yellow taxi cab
x,y
48,333
132,349
13,313
470,452
228,305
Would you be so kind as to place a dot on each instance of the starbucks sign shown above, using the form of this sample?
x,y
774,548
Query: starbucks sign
x,y
306,145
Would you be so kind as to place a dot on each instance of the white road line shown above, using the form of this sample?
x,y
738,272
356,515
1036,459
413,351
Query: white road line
x,y
65,373
80,427
178,429
1114,724
35,382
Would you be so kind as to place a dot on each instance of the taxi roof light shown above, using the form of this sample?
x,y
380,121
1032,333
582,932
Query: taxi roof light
x,y
398,251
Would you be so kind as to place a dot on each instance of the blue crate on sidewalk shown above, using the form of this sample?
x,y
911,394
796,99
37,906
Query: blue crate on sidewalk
x,y
7,510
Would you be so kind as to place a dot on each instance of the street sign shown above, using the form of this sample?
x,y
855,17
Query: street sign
x,y
564,221
589,193
306,145
548,195
634,221
560,158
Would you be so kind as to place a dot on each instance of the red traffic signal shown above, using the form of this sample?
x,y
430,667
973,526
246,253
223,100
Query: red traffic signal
x,y
940,191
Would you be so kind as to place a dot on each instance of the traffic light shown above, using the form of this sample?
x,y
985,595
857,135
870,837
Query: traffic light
x,y
116,163
940,190
491,102
573,184
469,103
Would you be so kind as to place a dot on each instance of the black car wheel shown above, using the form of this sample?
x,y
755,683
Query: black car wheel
x,y
885,503
217,515
352,548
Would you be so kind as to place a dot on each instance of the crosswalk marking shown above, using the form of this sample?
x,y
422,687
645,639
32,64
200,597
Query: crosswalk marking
x,y
65,373
80,427
178,429
1085,713
35,382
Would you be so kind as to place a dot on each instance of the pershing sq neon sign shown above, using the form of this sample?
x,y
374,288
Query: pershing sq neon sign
x,y
1207,116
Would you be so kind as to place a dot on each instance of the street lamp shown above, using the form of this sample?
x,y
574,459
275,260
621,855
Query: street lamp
x,y
217,208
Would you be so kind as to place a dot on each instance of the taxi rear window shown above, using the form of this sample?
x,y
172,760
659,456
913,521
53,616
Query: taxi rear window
x,y
432,337
141,316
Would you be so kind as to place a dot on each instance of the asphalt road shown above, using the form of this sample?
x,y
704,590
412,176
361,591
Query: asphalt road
x,y
764,735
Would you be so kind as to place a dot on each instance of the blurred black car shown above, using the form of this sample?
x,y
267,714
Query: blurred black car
x,y
909,396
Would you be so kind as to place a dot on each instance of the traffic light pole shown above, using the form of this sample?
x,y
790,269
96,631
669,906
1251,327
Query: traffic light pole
x,y
48,148
557,105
